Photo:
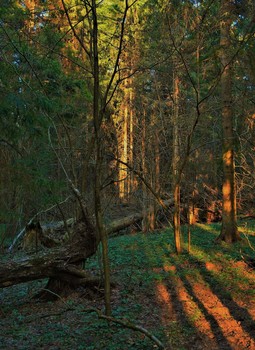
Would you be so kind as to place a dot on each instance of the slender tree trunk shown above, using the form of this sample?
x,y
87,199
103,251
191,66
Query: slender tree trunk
x,y
156,175
123,148
131,140
229,232
145,224
175,167
97,125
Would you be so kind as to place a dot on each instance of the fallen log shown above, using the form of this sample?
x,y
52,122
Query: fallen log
x,y
57,263
61,264
120,224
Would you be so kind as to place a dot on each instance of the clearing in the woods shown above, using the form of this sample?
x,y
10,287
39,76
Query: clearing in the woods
x,y
201,300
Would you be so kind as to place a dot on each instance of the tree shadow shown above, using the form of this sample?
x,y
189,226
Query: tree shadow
x,y
218,336
168,279
239,313
167,296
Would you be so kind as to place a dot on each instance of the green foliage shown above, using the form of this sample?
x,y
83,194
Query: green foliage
x,y
139,264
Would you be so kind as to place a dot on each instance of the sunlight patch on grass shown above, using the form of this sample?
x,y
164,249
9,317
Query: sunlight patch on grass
x,y
217,311
209,228
246,230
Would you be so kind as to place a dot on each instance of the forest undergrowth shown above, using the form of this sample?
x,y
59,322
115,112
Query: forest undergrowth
x,y
201,300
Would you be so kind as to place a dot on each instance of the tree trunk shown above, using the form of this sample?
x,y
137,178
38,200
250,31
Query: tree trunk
x,y
229,232
98,117
176,166
62,264
56,263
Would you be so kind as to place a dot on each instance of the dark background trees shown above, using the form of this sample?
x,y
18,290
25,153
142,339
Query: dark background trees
x,y
156,115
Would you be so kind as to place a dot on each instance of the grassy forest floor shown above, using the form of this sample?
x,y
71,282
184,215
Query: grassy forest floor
x,y
204,300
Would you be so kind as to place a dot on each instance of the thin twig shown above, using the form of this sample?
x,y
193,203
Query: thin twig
x,y
128,324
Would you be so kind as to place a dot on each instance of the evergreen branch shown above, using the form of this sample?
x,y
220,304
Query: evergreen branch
x,y
74,30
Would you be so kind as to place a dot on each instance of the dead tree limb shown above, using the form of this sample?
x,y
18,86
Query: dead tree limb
x,y
62,263
58,263
120,224
128,324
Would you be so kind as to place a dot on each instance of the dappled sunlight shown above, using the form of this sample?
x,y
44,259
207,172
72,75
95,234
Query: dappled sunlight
x,y
169,268
230,328
246,230
192,310
201,292
162,293
207,228
227,203
180,299
165,300
202,307
212,267
243,305
238,271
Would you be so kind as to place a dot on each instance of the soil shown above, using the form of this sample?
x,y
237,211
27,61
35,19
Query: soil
x,y
207,318
184,304
220,322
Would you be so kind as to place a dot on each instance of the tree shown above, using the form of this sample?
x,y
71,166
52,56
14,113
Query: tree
x,y
229,232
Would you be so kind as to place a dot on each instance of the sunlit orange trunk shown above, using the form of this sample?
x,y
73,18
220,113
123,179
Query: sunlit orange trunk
x,y
229,231
175,166
131,141
123,150
126,142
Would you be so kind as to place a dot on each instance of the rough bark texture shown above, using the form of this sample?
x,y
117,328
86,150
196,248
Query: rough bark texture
x,y
176,166
56,263
229,232
61,264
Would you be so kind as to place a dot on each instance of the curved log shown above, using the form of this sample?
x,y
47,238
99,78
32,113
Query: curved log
x,y
56,263
60,263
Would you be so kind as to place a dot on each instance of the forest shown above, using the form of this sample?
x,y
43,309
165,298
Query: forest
x,y
127,209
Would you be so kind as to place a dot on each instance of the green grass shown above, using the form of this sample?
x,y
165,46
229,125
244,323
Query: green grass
x,y
139,263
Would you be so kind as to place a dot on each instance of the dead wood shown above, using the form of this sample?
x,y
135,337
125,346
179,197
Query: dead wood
x,y
61,263
128,324
58,263
122,223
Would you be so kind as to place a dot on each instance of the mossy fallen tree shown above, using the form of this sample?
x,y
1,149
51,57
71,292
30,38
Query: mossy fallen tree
x,y
62,264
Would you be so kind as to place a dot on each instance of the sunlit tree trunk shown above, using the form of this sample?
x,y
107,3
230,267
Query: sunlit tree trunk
x,y
123,147
131,141
176,165
229,231
30,5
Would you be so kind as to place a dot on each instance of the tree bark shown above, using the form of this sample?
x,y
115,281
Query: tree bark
x,y
229,232
176,164
62,263
56,263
